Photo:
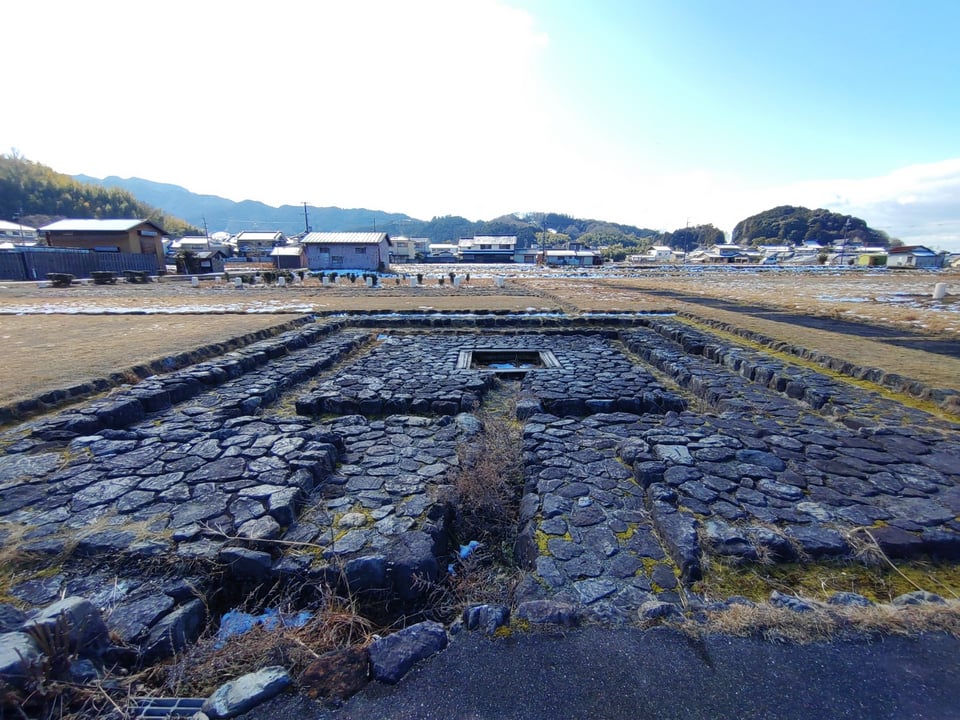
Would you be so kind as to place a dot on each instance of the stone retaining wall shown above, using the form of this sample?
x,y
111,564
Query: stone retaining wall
x,y
947,399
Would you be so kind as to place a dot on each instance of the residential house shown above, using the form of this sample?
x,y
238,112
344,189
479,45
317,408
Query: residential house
x,y
487,249
194,243
571,258
256,245
442,253
289,257
125,236
913,256
402,250
17,233
527,255
368,251
211,261
660,254
775,254
656,254
726,253
407,250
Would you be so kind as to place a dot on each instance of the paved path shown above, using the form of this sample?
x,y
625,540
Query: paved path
x,y
659,674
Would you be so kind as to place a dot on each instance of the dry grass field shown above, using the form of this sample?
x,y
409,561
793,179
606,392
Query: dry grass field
x,y
54,338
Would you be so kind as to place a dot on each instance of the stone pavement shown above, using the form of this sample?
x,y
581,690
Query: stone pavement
x,y
324,457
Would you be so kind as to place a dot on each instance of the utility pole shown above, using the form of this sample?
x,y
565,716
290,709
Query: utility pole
x,y
306,219
206,232
843,247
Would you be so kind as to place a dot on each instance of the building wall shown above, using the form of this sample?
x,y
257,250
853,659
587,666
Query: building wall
x,y
909,260
131,241
347,256
290,262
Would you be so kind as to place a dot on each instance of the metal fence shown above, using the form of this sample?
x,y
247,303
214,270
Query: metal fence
x,y
35,263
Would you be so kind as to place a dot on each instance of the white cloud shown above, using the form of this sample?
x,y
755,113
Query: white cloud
x,y
918,203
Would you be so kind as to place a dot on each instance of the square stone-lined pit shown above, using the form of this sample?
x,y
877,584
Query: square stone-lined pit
x,y
513,362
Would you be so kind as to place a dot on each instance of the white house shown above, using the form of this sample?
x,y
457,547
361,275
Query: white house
x,y
487,248
574,258
257,244
913,256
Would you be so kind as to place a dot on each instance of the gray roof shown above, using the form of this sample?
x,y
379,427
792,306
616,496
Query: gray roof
x,y
69,225
254,235
344,238
291,250
4,225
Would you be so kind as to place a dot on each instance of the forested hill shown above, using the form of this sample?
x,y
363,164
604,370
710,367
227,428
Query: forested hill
x,y
38,196
788,225
221,214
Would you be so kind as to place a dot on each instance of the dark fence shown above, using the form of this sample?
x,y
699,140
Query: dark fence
x,y
34,263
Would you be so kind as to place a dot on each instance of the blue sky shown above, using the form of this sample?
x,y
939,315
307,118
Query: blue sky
x,y
653,113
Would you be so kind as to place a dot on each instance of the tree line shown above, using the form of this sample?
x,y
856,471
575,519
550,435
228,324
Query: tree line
x,y
36,195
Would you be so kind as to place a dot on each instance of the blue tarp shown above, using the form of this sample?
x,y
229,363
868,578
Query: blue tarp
x,y
236,622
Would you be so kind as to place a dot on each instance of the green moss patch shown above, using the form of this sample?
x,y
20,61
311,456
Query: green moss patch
x,y
880,583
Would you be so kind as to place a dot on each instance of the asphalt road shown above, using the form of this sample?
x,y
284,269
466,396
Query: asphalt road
x,y
659,674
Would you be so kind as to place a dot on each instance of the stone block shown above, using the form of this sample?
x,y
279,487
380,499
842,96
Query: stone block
x,y
245,692
391,657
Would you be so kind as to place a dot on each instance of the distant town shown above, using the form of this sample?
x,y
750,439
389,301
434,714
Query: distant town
x,y
81,247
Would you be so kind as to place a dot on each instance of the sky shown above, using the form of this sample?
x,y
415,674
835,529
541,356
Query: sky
x,y
655,113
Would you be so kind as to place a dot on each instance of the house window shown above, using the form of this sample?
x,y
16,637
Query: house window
x,y
336,259
360,250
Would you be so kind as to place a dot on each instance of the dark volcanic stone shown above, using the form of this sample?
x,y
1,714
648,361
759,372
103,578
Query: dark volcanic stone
x,y
222,470
391,657
337,675
818,541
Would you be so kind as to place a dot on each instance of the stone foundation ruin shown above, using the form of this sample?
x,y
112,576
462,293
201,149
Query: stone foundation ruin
x,y
322,458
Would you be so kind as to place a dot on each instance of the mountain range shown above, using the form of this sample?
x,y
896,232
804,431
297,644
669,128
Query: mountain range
x,y
220,214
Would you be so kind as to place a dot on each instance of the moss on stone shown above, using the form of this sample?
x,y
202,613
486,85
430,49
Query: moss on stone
x,y
819,580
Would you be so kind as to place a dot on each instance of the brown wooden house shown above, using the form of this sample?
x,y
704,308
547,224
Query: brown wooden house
x,y
126,236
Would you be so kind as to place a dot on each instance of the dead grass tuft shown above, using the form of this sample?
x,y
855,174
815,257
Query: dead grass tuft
x,y
477,579
204,666
825,623
490,479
